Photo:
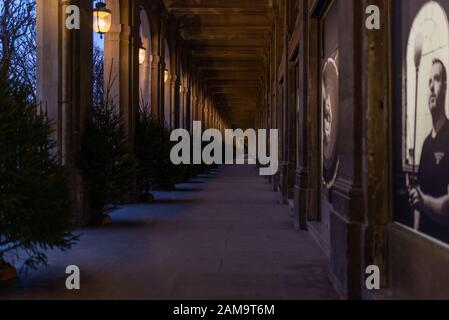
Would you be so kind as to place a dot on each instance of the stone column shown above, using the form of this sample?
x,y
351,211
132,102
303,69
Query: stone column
x,y
305,182
64,77
347,218
49,64
204,115
157,78
174,94
284,114
129,92
202,105
180,102
157,65
194,107
144,80
121,62
274,94
166,110
187,108
376,173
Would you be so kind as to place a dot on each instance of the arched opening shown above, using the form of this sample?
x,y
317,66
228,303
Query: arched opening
x,y
112,53
98,84
167,87
145,65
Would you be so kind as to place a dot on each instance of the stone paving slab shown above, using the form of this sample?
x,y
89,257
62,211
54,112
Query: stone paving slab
x,y
222,236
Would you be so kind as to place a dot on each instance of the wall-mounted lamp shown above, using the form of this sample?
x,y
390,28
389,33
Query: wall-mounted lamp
x,y
142,53
166,75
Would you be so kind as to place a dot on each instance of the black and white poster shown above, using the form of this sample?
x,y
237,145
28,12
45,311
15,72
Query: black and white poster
x,y
330,103
421,110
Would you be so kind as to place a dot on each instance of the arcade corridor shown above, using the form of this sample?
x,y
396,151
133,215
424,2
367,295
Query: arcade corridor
x,y
221,236
341,87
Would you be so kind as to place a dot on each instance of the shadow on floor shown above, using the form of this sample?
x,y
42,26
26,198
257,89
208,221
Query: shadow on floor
x,y
188,189
174,201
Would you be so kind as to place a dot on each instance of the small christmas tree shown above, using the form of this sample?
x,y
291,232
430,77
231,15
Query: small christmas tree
x,y
105,163
143,152
35,206
152,151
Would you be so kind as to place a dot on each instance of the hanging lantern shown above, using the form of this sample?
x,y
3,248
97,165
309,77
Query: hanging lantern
x,y
102,19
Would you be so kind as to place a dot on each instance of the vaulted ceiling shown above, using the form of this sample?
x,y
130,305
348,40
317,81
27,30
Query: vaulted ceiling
x,y
229,41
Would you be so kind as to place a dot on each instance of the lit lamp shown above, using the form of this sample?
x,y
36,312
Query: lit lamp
x,y
166,75
102,19
142,53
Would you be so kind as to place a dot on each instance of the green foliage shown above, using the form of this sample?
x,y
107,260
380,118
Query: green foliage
x,y
35,206
105,162
152,152
183,172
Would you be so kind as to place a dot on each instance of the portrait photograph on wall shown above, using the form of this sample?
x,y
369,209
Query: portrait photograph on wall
x,y
329,94
328,84
421,111
329,99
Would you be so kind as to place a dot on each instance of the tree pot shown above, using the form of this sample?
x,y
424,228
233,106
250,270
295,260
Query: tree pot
x,y
106,220
147,198
7,272
102,220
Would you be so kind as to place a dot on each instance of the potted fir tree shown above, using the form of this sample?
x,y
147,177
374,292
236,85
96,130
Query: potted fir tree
x,y
35,206
152,152
105,162
144,153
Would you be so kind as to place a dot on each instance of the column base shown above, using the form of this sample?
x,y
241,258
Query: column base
x,y
302,199
284,183
346,256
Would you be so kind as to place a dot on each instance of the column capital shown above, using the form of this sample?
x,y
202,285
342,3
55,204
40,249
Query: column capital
x,y
125,34
156,59
174,78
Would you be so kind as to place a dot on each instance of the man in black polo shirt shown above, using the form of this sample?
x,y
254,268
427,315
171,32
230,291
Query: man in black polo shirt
x,y
431,196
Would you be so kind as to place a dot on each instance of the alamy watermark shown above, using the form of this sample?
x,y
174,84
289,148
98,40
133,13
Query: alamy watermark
x,y
257,145
372,281
72,282
73,17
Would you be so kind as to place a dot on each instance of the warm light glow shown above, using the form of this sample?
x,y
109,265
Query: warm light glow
x,y
142,54
102,18
166,75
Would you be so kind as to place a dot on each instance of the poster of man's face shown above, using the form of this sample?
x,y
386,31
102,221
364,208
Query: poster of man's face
x,y
329,94
422,47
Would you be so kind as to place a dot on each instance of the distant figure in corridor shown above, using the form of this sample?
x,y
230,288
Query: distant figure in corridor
x,y
430,195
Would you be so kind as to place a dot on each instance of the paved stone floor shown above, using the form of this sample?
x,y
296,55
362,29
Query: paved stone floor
x,y
222,236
